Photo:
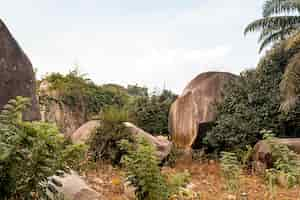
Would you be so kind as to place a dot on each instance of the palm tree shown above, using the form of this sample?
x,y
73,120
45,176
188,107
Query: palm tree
x,y
290,83
280,20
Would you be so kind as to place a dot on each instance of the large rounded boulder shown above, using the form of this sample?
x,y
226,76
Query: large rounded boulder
x,y
16,74
196,106
84,132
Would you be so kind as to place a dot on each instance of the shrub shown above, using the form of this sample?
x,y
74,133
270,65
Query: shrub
x,y
29,153
177,181
81,93
105,139
231,171
171,159
151,113
143,171
286,163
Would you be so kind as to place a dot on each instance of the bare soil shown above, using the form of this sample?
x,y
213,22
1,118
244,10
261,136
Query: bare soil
x,y
206,179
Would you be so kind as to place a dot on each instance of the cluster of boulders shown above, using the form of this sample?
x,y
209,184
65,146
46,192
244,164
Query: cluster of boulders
x,y
191,109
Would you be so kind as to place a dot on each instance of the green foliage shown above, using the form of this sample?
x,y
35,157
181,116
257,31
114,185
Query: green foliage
x,y
144,174
286,162
135,90
244,155
143,171
81,93
29,153
151,113
231,171
289,85
277,23
72,154
250,105
271,180
172,157
178,180
104,141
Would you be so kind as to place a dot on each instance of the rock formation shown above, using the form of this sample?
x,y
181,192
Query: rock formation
x,y
163,146
262,152
83,133
196,106
75,188
52,110
16,74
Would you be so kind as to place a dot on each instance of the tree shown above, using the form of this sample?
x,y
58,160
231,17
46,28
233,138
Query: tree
x,y
280,20
250,104
290,84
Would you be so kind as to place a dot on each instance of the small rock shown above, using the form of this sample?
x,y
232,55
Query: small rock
x,y
190,186
211,162
98,181
129,191
231,197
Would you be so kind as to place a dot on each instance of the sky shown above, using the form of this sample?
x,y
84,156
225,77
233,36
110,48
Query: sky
x,y
153,43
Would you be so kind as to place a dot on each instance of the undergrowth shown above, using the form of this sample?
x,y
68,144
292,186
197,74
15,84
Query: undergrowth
x,y
30,152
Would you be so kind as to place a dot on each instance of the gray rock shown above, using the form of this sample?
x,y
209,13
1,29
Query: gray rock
x,y
67,118
75,188
16,74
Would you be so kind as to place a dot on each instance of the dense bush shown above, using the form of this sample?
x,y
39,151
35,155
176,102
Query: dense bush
x,y
29,153
231,170
81,93
135,90
286,163
151,112
250,105
143,171
105,139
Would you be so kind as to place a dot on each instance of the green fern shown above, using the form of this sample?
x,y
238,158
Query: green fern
x,y
231,171
30,152
286,162
143,171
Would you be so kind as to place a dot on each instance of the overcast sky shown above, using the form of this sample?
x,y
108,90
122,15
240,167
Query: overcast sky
x,y
154,43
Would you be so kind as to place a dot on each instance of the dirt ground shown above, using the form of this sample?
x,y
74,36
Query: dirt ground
x,y
206,179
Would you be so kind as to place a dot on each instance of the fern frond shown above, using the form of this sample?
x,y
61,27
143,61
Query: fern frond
x,y
12,111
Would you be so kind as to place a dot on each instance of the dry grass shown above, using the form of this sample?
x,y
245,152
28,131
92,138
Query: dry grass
x,y
206,179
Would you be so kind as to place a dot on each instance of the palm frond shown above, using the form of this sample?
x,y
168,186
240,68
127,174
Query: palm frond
x,y
269,39
272,23
273,7
290,84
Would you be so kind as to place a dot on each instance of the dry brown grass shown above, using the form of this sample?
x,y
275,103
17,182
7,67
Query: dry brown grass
x,y
206,179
